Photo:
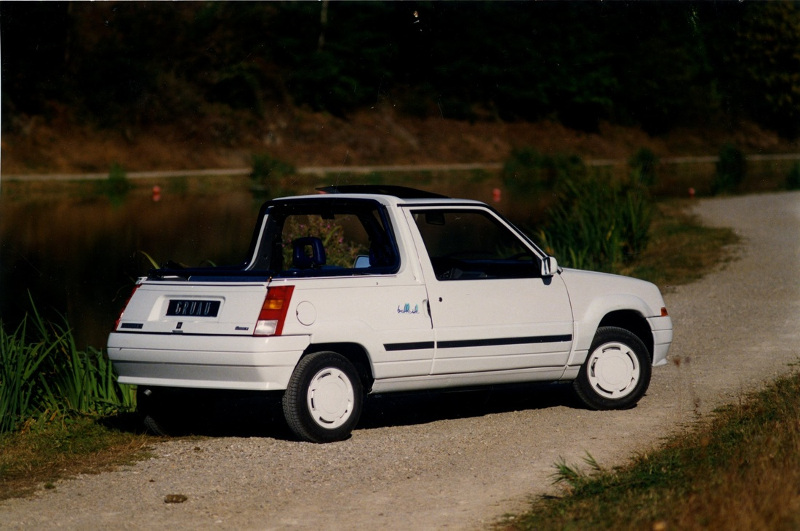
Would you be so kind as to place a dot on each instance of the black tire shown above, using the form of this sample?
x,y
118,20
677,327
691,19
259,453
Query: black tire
x,y
616,373
324,398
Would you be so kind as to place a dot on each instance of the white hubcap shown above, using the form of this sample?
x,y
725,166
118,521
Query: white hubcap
x,y
330,398
613,370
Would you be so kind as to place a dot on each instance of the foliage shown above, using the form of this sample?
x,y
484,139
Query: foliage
x,y
480,60
267,170
731,169
44,373
793,178
753,49
116,186
527,171
339,251
643,165
597,223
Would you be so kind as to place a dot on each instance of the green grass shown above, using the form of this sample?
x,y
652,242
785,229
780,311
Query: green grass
x,y
738,470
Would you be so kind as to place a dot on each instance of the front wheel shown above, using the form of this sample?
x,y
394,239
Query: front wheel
x,y
616,373
324,397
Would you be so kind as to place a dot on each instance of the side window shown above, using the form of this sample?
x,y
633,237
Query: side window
x,y
472,244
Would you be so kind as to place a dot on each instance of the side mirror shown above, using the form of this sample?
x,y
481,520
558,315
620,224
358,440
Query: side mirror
x,y
549,266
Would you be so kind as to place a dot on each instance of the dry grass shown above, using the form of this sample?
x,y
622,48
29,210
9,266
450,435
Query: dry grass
x,y
43,453
378,135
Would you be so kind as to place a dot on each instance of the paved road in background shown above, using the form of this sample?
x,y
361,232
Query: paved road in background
x,y
461,461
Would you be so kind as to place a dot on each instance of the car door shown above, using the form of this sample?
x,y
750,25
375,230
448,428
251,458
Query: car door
x,y
490,306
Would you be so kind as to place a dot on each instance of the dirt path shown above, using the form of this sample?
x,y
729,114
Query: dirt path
x,y
461,461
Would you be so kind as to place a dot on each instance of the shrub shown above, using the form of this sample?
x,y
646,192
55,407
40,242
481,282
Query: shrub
x,y
268,170
527,171
793,179
731,169
43,372
643,167
117,185
597,223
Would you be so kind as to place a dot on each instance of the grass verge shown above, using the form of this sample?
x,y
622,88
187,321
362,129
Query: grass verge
x,y
46,451
738,470
680,249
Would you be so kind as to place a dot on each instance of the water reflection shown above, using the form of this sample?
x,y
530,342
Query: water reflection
x,y
80,257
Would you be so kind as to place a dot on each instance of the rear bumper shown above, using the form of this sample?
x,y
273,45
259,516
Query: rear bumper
x,y
206,362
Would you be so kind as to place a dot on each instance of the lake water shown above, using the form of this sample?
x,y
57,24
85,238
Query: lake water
x,y
80,257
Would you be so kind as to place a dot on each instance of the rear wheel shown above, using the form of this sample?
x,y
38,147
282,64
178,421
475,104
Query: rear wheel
x,y
324,398
155,415
616,374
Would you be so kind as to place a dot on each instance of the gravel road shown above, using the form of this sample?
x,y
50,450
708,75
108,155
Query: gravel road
x,y
462,460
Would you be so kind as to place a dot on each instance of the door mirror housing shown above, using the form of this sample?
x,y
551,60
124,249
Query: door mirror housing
x,y
549,266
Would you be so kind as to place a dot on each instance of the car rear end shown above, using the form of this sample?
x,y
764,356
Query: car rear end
x,y
212,333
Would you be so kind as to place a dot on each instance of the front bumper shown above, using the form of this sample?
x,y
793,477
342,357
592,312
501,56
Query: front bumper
x,y
205,362
662,339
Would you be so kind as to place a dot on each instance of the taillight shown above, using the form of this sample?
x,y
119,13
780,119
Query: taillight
x,y
116,324
273,311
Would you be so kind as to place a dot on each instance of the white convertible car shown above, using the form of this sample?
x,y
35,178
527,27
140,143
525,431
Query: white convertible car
x,y
366,289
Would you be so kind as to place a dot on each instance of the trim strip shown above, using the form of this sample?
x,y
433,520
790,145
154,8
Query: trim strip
x,y
464,343
504,341
422,345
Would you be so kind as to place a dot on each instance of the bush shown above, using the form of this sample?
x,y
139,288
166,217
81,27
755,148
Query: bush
x,y
793,179
268,170
731,169
527,171
643,167
597,223
42,372
117,186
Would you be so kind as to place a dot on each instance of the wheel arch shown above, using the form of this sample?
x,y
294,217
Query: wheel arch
x,y
634,322
355,353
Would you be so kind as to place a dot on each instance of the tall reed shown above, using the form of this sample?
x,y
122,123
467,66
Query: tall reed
x,y
20,363
42,372
596,222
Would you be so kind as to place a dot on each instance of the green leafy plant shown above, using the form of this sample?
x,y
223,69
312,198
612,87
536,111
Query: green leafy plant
x,y
793,179
643,165
268,170
44,373
527,171
339,250
117,185
731,170
572,475
20,361
597,223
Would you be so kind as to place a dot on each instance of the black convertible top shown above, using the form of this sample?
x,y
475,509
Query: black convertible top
x,y
402,192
